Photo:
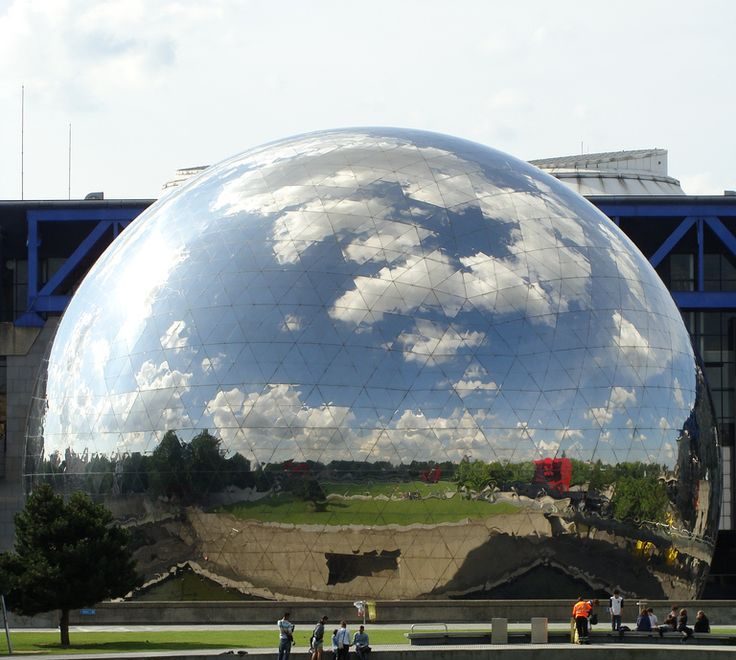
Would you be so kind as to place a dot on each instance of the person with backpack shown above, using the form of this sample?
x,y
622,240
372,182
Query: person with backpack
x,y
317,641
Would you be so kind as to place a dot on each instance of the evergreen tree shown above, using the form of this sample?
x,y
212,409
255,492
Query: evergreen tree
x,y
66,556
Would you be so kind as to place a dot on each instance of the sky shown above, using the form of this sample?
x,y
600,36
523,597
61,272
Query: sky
x,y
150,86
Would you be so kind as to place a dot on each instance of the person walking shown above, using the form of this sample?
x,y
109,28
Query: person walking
x,y
343,641
286,636
318,639
616,608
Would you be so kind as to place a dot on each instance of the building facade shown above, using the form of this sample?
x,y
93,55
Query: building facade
x,y
48,246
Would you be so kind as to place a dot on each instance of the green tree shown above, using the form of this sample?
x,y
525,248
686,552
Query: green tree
x,y
66,556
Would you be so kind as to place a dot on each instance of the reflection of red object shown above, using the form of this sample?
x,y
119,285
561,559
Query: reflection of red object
x,y
431,476
295,468
553,472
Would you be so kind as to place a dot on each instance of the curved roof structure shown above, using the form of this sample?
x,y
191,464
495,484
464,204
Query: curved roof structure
x,y
635,172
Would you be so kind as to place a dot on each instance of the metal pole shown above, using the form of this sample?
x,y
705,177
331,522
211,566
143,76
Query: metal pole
x,y
22,132
69,182
5,620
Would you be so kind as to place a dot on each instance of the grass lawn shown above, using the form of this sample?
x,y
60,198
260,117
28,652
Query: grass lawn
x,y
285,508
178,640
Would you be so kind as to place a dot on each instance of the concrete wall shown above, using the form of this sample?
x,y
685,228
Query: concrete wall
x,y
25,349
234,612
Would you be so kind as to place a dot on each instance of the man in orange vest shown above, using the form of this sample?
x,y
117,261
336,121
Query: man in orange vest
x,y
581,612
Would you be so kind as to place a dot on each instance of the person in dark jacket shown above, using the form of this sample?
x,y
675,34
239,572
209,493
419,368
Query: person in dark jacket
x,y
643,622
682,625
702,625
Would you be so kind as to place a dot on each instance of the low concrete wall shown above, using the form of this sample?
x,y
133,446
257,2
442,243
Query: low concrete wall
x,y
265,612
526,652
537,652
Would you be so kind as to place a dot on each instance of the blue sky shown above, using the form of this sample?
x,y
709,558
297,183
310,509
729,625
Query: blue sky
x,y
152,86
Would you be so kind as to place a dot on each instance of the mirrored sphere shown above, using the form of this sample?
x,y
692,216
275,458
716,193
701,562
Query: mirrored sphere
x,y
385,363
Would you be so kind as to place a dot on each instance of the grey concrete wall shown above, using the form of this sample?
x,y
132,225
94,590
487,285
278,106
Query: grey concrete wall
x,y
24,348
234,612
522,652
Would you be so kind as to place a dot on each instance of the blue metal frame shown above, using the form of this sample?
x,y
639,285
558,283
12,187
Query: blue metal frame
x,y
694,212
47,298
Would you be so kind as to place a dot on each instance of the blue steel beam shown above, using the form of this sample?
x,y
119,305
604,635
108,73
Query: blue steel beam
x,y
670,242
74,259
653,208
686,300
47,299
701,257
75,214
720,230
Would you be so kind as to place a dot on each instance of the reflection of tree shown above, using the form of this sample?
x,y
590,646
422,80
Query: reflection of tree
x,y
188,471
640,498
191,471
477,475
639,492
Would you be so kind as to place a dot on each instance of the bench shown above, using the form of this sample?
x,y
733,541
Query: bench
x,y
440,637
645,637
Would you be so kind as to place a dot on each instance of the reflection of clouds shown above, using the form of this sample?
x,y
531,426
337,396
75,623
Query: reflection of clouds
x,y
291,323
439,341
474,378
175,336
392,290
618,399
631,341
356,244
600,415
151,376
679,398
214,362
620,396
258,422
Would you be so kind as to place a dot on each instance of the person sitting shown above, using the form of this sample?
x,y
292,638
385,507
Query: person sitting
x,y
643,622
702,625
670,623
361,643
682,625
653,619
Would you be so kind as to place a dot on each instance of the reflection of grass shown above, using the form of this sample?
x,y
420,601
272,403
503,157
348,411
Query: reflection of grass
x,y
175,640
391,488
285,508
